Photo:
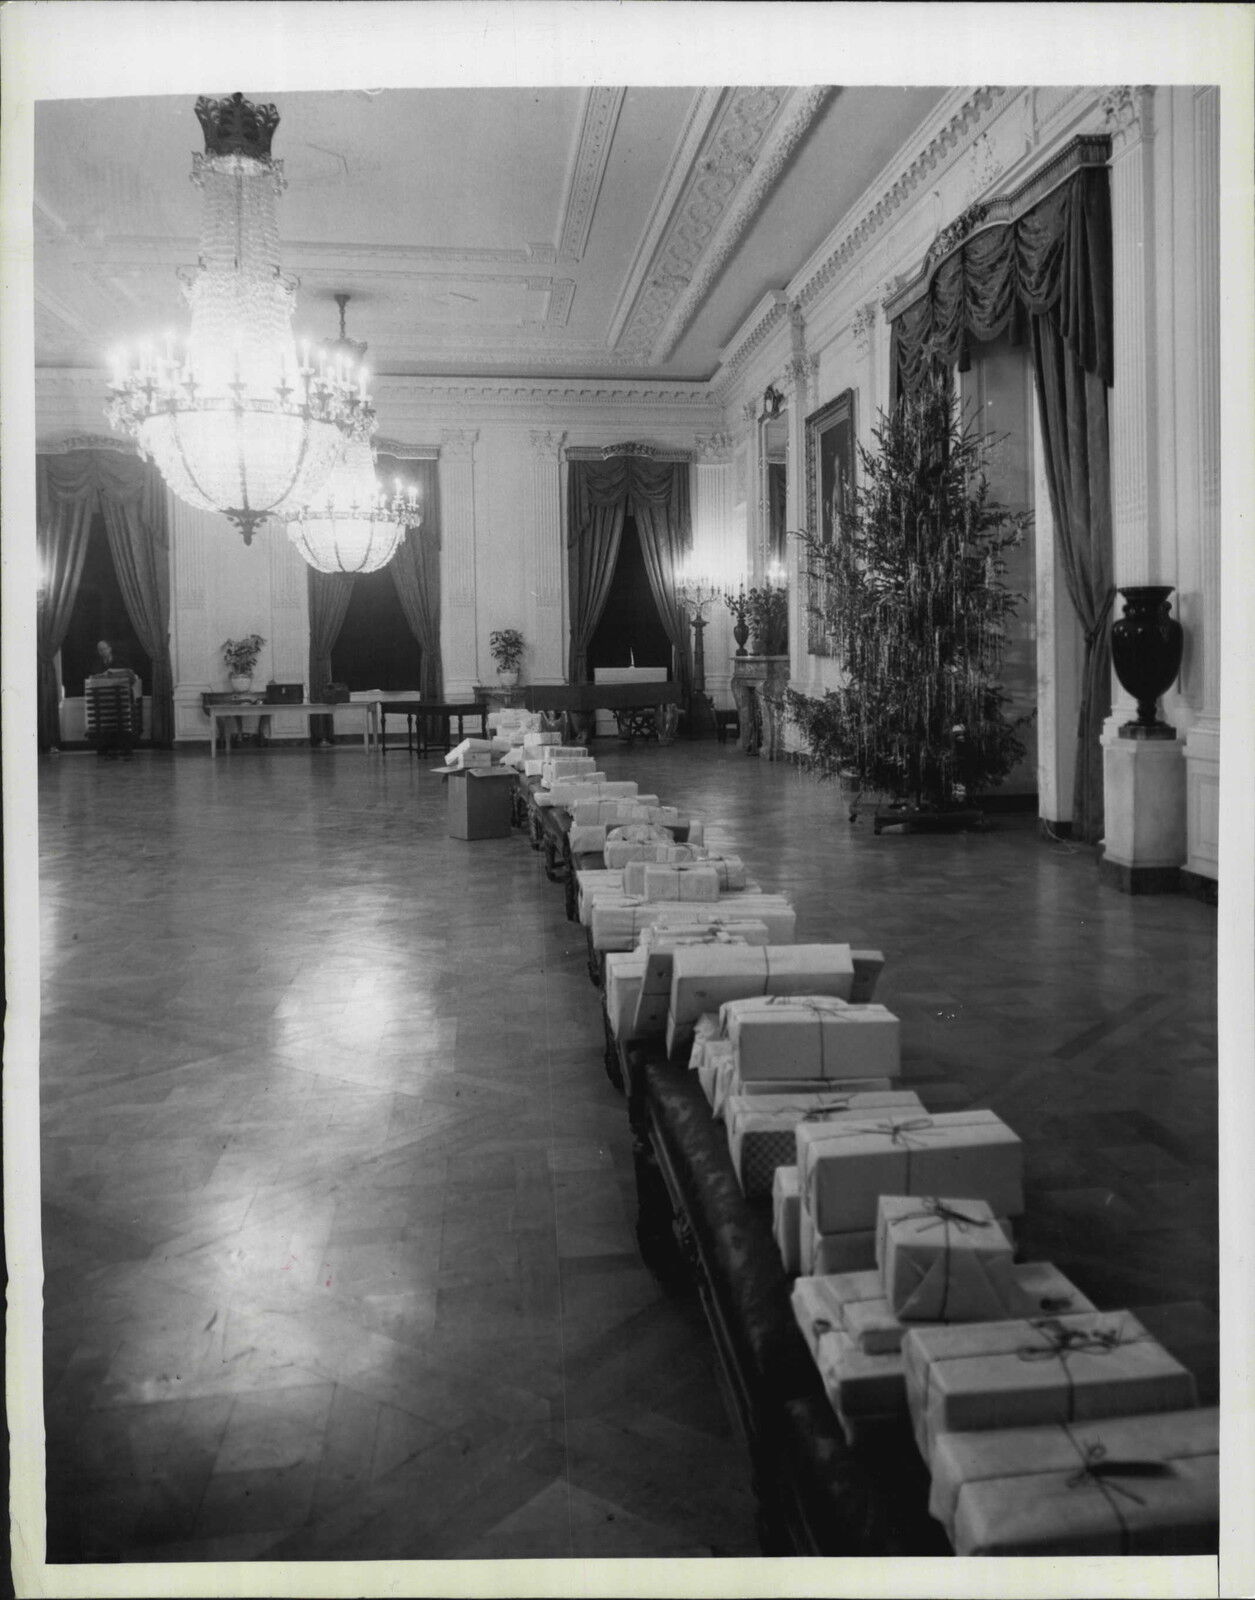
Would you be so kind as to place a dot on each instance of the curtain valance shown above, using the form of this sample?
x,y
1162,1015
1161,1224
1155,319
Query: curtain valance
x,y
1055,258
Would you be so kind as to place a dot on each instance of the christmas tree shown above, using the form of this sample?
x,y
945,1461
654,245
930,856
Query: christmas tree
x,y
911,595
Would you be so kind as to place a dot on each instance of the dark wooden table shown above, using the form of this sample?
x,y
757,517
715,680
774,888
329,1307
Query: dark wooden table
x,y
420,715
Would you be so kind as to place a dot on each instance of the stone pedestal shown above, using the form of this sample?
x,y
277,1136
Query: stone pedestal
x,y
758,685
1144,796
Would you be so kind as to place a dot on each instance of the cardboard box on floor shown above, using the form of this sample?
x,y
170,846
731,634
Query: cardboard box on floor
x,y
479,802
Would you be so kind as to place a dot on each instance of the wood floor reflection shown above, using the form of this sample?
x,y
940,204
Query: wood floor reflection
x,y
338,1203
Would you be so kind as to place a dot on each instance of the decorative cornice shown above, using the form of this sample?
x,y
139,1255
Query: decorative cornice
x,y
1127,112
948,140
63,444
631,447
521,392
770,311
712,449
588,169
805,106
745,119
561,294
1087,150
405,452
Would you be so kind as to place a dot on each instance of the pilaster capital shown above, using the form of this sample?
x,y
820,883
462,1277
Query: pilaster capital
x,y
749,411
545,445
458,444
798,374
863,323
1127,111
712,448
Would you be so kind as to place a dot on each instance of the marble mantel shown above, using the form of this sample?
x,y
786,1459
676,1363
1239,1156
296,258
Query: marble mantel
x,y
758,685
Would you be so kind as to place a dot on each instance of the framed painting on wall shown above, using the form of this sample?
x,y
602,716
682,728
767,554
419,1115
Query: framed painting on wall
x,y
830,457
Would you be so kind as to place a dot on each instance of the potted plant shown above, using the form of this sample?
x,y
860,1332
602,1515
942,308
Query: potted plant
x,y
768,612
912,597
241,656
506,647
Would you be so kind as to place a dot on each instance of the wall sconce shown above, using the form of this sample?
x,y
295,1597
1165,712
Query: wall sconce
x,y
772,402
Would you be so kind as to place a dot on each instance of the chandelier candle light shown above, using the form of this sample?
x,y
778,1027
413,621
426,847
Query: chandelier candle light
x,y
237,419
695,592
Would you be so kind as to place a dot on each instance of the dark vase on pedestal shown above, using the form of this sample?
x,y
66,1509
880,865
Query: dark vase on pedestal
x,y
740,633
1146,645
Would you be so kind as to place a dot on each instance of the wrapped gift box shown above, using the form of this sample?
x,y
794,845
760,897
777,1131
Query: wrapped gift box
x,y
584,839
536,739
845,1169
762,1128
556,767
589,883
1143,1485
819,1302
785,1218
814,1035
618,924
515,759
1071,1368
730,871
660,945
624,971
693,880
532,768
703,981
721,1080
824,1254
860,1386
943,1260
1035,1286
468,760
470,747
621,852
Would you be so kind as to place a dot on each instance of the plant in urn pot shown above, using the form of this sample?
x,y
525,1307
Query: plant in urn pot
x,y
241,656
1146,645
506,647
739,605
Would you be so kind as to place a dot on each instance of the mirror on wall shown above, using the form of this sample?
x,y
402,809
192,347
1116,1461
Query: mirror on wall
x,y
773,457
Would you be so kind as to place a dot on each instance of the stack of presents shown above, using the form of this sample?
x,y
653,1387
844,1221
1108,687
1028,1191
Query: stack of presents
x,y
1048,1426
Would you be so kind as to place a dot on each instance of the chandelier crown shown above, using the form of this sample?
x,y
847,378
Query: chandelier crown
x,y
235,126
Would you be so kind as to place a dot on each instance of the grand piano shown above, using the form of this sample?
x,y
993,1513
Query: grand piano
x,y
641,710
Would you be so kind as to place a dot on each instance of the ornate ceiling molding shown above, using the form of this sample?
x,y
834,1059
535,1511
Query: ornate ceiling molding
x,y
804,106
521,393
60,444
406,452
588,168
770,311
958,131
724,164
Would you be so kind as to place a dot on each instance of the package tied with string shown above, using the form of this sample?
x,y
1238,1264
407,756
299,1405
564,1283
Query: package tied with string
x,y
1019,1373
706,979
1140,1485
659,943
618,921
644,841
943,1260
713,1059
786,1219
624,972
762,1129
813,1034
846,1167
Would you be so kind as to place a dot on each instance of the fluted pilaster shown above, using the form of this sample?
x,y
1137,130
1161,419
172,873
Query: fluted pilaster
x,y
459,645
543,533
718,549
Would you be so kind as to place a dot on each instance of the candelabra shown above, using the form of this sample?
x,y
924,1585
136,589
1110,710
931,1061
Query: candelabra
x,y
695,593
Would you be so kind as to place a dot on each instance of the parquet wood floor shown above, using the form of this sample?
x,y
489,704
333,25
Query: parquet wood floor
x,y
338,1203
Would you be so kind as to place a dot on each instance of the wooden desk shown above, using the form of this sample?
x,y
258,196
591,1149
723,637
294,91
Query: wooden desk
x,y
218,711
420,714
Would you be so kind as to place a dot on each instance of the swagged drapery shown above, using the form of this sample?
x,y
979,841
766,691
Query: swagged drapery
x,y
415,568
600,494
329,596
129,493
1045,278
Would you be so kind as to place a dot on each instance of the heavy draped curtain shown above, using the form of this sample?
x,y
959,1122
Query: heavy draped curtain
x,y
415,568
1045,279
329,596
131,496
600,494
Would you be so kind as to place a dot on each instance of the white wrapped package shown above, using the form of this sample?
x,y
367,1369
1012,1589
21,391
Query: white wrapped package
x,y
468,760
591,882
514,758
535,739
624,970
812,1036
730,871
566,767
1073,1368
943,1259
660,944
762,1128
694,881
470,746
1037,1288
696,830
848,1250
533,769
622,852
621,922
785,1218
500,744
1146,1485
585,839
721,1080
704,981
819,1303
847,1164
664,816
865,1391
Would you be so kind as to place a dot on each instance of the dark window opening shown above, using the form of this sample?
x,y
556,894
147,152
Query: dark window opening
x,y
100,613
375,648
630,632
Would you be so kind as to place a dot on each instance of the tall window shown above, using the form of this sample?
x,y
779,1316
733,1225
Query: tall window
x,y
100,613
630,632
375,648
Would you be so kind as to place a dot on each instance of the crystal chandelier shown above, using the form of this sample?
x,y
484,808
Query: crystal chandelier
x,y
352,524
237,420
